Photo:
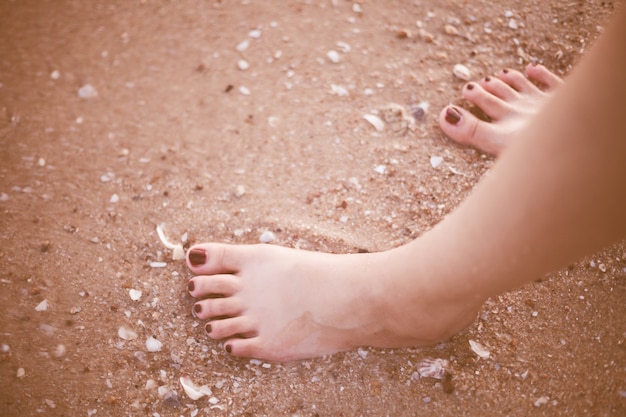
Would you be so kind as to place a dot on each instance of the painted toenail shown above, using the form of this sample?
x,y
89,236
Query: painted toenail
x,y
207,328
197,308
453,116
470,86
487,79
506,71
191,286
197,257
228,348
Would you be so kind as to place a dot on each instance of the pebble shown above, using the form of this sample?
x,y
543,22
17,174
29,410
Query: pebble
x,y
158,264
4,197
114,199
60,351
171,400
255,34
462,72
339,90
21,373
87,91
333,56
244,90
267,237
55,75
242,46
153,345
381,169
243,65
541,401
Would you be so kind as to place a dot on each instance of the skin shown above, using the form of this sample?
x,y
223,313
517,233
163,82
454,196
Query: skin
x,y
556,193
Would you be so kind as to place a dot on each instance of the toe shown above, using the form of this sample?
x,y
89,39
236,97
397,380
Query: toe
x,y
491,105
204,286
236,326
499,88
214,258
245,348
540,74
217,307
518,81
465,128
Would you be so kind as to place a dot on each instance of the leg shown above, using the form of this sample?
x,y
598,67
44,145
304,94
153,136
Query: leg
x,y
555,195
510,100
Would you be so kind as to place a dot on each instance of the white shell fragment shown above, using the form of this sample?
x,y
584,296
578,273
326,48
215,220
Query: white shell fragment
x,y
193,391
433,368
375,121
243,65
43,306
333,56
178,252
243,45
87,91
158,264
267,237
462,72
126,334
479,349
435,161
153,345
135,295
21,373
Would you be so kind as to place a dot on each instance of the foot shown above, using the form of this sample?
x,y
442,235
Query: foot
x,y
510,100
280,304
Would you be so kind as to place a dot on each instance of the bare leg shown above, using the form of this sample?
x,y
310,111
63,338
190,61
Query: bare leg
x,y
510,99
555,195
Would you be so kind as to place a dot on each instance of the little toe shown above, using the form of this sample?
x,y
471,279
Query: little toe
x,y
518,81
542,75
236,326
207,285
217,307
214,258
499,88
465,128
491,105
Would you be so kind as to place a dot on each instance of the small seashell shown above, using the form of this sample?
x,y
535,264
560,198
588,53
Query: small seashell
x,y
178,252
43,306
375,121
267,237
126,334
333,56
479,349
153,345
242,46
462,72
435,161
433,368
194,392
134,294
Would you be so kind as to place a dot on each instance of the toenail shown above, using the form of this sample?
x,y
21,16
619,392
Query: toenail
x,y
197,308
197,257
470,86
228,348
453,116
207,328
506,71
487,79
191,286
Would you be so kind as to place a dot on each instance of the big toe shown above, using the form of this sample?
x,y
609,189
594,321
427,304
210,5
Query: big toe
x,y
465,128
214,258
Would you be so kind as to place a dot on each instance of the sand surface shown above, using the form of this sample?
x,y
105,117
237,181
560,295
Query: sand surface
x,y
172,128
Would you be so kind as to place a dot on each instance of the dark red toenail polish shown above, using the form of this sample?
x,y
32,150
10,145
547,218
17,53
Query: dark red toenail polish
x,y
506,71
229,349
487,79
453,116
207,328
470,86
197,257
191,286
197,308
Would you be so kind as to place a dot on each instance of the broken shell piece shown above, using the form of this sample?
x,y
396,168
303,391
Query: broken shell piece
x,y
333,56
178,252
479,349
267,237
462,72
375,121
153,345
134,294
433,368
243,65
126,334
194,392
43,306
435,161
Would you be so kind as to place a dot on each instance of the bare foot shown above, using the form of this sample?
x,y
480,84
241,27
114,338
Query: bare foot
x,y
281,304
510,99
